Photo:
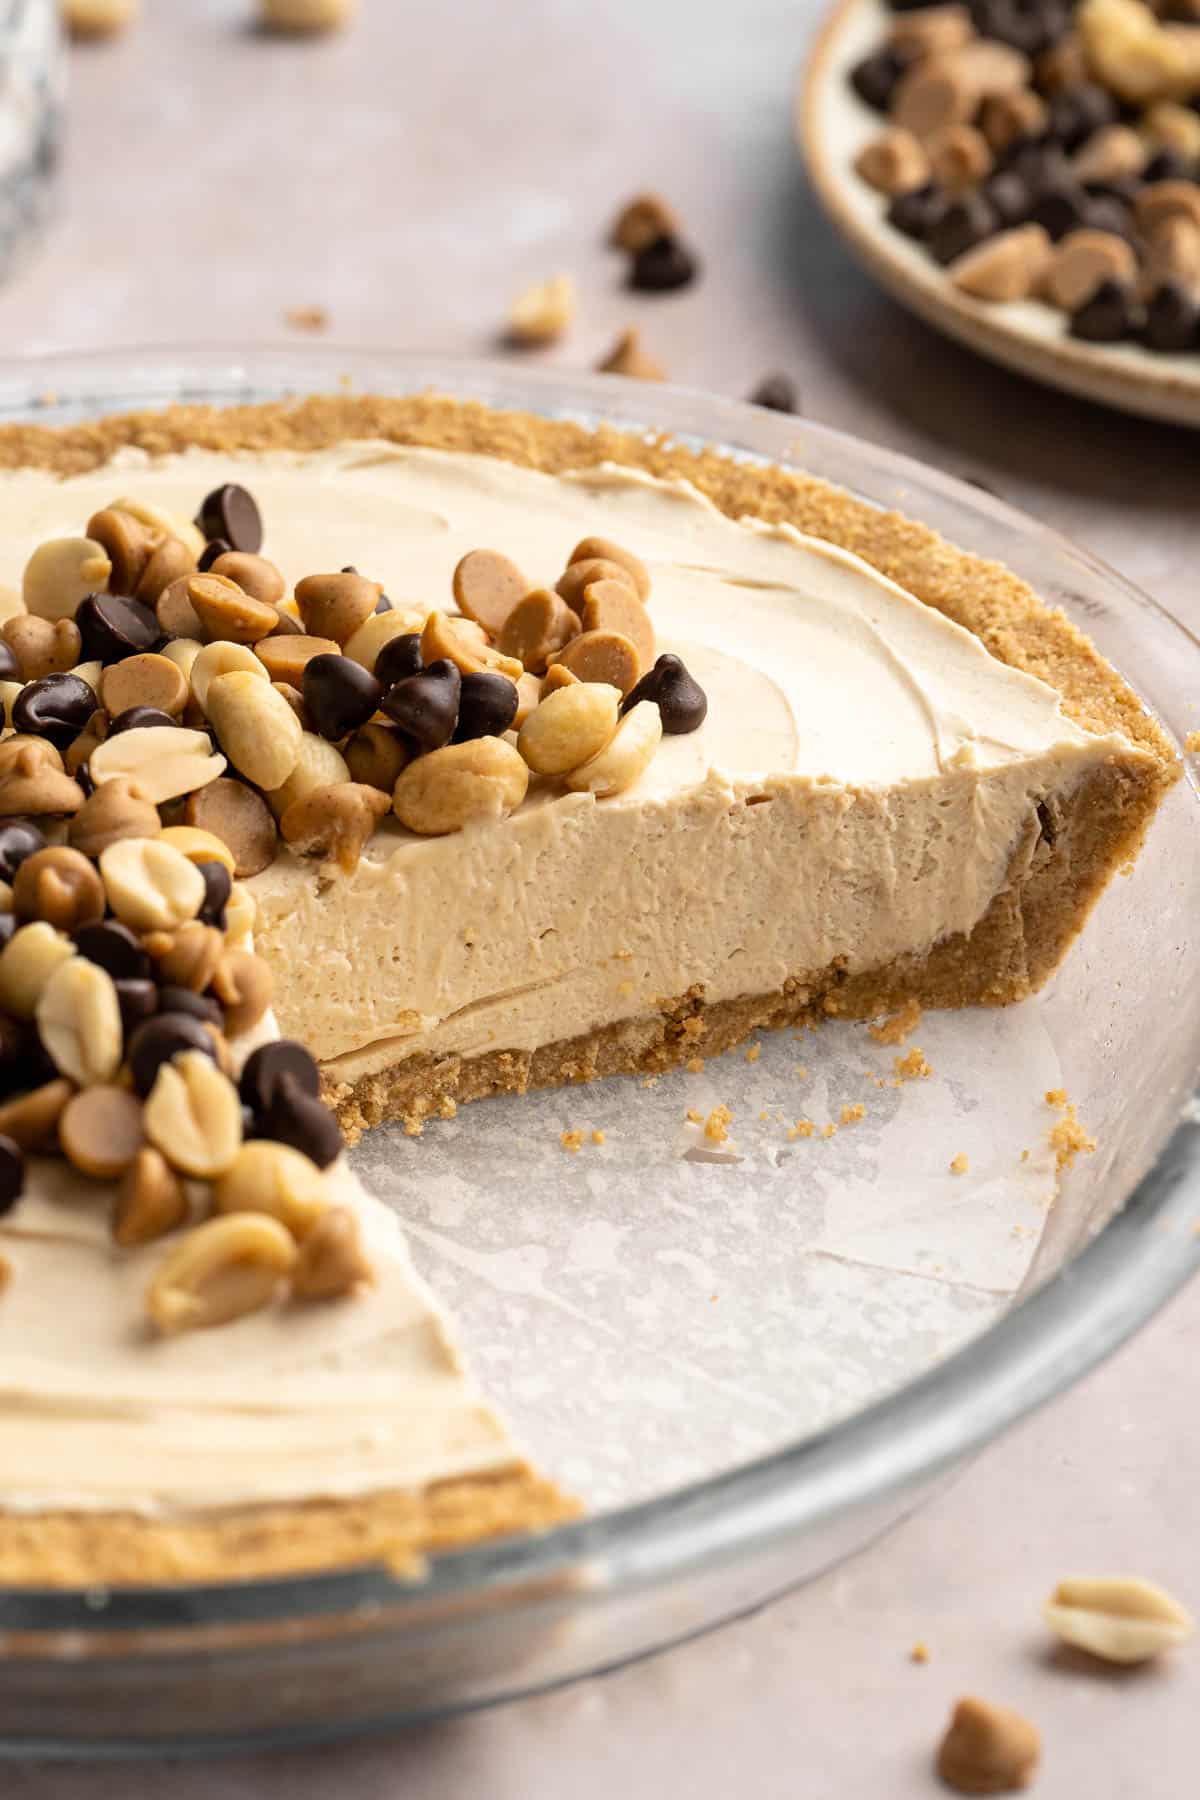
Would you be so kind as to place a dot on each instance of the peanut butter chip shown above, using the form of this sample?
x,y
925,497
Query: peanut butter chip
x,y
169,562
150,1200
641,221
629,357
893,163
606,656
31,1120
376,755
479,781
556,677
286,658
959,157
1081,262
189,957
988,1749
487,586
456,640
193,1115
1008,266
1120,1619
63,572
609,606
128,543
580,574
271,1178
163,761
32,780
42,646
319,764
79,1022
227,613
626,756
332,1261
335,821
174,610
145,680
334,606
255,575
1109,155
118,809
601,549
59,885
537,628
570,726
243,983
221,1271
150,885
101,1131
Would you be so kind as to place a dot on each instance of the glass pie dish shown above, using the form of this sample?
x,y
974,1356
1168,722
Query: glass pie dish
x,y
200,1666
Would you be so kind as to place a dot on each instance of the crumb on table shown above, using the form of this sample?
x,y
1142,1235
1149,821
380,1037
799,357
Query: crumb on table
x,y
898,1025
1056,1096
803,1128
852,1114
572,1141
716,1126
919,1652
912,1067
1191,742
753,1053
959,1164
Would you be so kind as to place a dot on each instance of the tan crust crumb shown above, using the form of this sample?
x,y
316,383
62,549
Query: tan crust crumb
x,y
959,1164
764,1116
753,1053
597,1137
919,1652
572,1141
6,1271
852,1114
307,318
693,1117
828,1131
447,1108
695,1065
1068,1138
803,1128
898,1025
912,1067
1191,742
716,1126
801,1071
1056,1097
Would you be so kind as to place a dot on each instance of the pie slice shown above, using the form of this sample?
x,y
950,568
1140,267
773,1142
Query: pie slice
x,y
870,770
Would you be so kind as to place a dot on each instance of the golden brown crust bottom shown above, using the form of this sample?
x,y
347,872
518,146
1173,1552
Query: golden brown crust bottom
x,y
1052,886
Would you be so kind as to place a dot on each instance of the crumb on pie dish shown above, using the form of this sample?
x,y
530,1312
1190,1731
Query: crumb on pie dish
x,y
365,757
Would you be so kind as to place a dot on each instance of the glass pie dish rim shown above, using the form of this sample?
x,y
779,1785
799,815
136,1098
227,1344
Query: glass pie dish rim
x,y
1044,1343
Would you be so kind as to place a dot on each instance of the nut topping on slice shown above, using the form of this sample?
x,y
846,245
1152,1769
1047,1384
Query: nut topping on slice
x,y
569,727
537,628
149,1202
221,1271
332,1261
336,821
193,1115
487,586
479,781
165,762
626,756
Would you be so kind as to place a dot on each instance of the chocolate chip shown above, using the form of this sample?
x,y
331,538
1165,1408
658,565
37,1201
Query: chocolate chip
x,y
161,1038
13,1035
18,839
777,392
1168,165
917,213
1172,319
487,706
115,949
265,1066
138,1001
875,78
966,221
1009,195
1059,209
295,1118
1076,112
10,668
1124,188
1031,27
197,1006
56,708
425,706
340,695
681,701
12,1174
231,513
1107,317
113,628
662,265
218,885
1040,166
399,657
135,717
215,547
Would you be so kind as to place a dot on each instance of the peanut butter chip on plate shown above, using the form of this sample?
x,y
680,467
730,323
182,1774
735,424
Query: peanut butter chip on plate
x,y
487,586
988,1749
101,1130
334,606
606,656
537,628
144,680
609,606
31,1120
118,809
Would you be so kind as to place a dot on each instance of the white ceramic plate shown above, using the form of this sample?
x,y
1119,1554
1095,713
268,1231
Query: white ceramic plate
x,y
833,124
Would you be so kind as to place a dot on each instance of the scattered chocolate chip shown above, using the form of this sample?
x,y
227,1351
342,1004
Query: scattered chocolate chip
x,y
231,513
875,78
487,706
138,1001
1059,208
161,1038
218,885
1172,319
965,222
18,839
399,657
113,628
661,266
56,708
294,1117
135,717
10,668
197,1006
115,949
681,700
1168,165
340,695
1107,317
12,1174
268,1063
1076,112
917,213
1009,196
425,706
215,547
777,392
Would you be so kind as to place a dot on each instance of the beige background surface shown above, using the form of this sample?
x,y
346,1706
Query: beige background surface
x,y
410,177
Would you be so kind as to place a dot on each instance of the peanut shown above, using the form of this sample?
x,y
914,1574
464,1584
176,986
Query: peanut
x,y
332,1261
149,1202
79,1022
626,756
221,1271
1121,1619
61,573
366,643
31,1120
542,313
241,913
482,780
271,1178
569,727
165,762
198,845
1008,266
255,727
318,764
193,1115
222,659
150,885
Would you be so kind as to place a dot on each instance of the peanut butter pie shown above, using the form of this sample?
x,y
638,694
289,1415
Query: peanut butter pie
x,y
365,757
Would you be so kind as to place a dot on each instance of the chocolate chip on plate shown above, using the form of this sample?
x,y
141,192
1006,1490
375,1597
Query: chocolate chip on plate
x,y
231,513
214,548
917,213
138,1001
875,78
265,1066
12,1174
1060,208
1106,213
1078,111
1009,195
339,695
197,1006
295,1118
1172,319
399,657
681,701
56,708
18,839
135,717
112,628
1168,165
487,706
1109,315
965,222
218,885
425,706
114,948
161,1038
663,265
777,392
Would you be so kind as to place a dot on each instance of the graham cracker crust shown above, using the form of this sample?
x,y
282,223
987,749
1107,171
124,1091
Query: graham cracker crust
x,y
1055,877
